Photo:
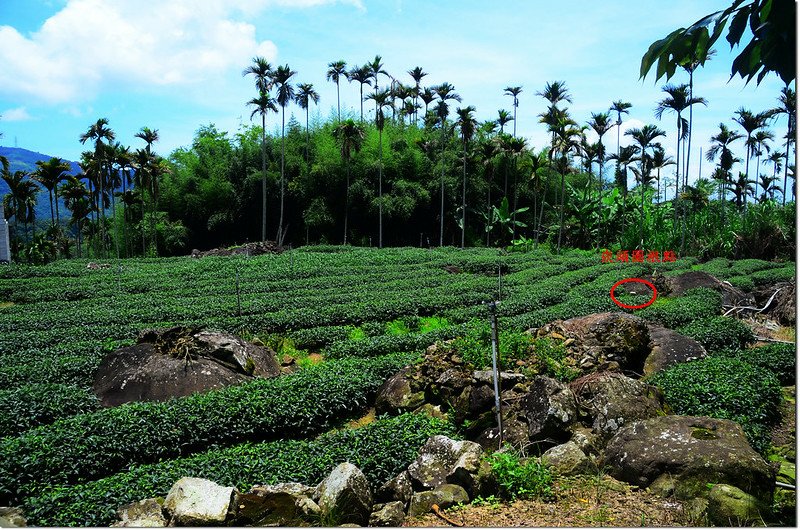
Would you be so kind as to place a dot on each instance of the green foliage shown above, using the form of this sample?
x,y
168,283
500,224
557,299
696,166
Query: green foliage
x,y
551,356
718,333
692,305
745,283
427,324
518,479
356,334
770,276
29,406
94,445
778,358
726,388
475,348
397,327
381,450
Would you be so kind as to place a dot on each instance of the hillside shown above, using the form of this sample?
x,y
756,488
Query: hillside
x,y
24,160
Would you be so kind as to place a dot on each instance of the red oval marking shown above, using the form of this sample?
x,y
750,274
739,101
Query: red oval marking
x,y
636,280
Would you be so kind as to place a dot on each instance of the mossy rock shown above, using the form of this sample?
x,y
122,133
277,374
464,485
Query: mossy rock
x,y
730,506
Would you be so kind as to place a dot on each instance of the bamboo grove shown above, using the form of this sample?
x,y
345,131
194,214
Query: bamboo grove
x,y
419,169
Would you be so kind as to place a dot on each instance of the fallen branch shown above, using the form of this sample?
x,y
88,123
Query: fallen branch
x,y
438,512
767,339
740,308
785,485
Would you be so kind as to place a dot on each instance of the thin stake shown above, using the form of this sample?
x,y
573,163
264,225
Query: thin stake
x,y
495,373
238,292
499,283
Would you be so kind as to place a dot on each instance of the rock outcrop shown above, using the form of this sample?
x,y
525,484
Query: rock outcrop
x,y
344,496
199,502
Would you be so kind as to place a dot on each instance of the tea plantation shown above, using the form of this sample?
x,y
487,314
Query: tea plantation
x,y
67,461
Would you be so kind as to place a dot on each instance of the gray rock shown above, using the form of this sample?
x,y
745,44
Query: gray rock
x,y
668,348
282,504
395,395
695,451
147,513
444,496
237,353
567,460
389,514
396,489
198,502
507,379
12,518
549,408
615,336
586,439
612,400
731,296
344,496
445,461
730,506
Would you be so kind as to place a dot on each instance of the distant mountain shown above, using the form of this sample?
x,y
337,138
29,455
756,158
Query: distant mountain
x,y
23,160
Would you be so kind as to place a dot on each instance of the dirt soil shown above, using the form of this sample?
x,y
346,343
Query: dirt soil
x,y
579,502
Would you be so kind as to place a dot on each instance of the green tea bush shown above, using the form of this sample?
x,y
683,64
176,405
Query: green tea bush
x,y
745,283
94,445
780,359
29,406
718,333
746,267
520,480
381,450
426,324
692,305
551,356
782,274
724,388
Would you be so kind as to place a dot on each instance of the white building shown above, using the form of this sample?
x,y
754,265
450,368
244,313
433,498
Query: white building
x,y
5,246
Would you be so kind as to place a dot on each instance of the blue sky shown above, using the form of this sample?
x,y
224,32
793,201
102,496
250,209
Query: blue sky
x,y
174,65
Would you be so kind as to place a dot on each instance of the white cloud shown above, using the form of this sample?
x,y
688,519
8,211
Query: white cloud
x,y
93,44
17,114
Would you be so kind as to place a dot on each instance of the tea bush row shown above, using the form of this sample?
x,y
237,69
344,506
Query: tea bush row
x,y
93,445
778,358
29,406
381,450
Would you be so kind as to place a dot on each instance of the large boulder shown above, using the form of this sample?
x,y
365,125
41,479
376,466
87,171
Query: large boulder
x,y
147,513
396,489
445,461
179,362
731,296
611,337
611,400
282,504
344,496
549,409
199,502
444,496
567,460
668,347
388,514
692,452
396,395
730,506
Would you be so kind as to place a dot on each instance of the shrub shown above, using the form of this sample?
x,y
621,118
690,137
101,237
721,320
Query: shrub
x,y
97,444
745,283
692,305
780,359
517,479
29,406
475,346
718,333
397,327
381,450
427,324
550,356
783,274
724,388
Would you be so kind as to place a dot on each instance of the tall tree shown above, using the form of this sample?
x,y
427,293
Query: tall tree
x,y
645,138
50,174
281,78
620,107
720,145
503,117
21,199
351,137
305,95
776,160
261,70
98,132
337,70
262,105
362,75
466,123
760,139
659,161
427,96
123,158
417,74
76,199
788,106
750,122
381,99
514,91
445,92
600,124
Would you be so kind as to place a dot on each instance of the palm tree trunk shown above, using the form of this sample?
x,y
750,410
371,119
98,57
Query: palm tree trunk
x,y
464,198
786,161
599,190
346,201
283,156
689,139
441,210
380,189
338,104
124,213
488,209
114,215
361,92
561,215
263,177
52,219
